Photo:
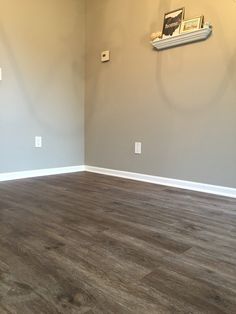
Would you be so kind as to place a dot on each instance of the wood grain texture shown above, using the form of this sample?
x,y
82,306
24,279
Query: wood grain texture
x,y
88,243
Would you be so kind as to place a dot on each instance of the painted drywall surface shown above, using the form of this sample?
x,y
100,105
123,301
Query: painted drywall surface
x,y
42,91
180,103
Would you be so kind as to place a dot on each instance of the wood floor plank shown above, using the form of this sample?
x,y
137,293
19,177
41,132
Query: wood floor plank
x,y
89,243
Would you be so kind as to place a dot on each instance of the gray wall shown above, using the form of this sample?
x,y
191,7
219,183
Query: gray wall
x,y
42,91
181,103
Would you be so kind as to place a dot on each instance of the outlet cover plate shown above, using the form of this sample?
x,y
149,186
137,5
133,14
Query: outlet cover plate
x,y
138,148
38,141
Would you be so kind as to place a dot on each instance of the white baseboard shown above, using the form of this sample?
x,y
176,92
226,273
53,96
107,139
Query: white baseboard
x,y
188,185
39,173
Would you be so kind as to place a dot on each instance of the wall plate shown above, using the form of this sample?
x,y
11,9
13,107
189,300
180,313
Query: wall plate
x,y
105,56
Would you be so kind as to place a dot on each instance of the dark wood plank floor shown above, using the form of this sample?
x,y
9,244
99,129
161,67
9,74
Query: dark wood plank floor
x,y
87,243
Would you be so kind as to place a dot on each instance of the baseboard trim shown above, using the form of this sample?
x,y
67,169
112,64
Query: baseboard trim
x,y
187,185
8,176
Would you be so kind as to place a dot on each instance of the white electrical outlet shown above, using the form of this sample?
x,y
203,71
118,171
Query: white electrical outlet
x,y
38,141
138,148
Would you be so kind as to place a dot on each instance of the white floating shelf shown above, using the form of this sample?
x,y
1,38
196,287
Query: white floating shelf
x,y
181,39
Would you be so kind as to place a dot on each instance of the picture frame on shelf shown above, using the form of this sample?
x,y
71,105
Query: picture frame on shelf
x,y
192,24
172,23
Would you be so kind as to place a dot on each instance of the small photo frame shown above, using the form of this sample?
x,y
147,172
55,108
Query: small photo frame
x,y
192,24
172,23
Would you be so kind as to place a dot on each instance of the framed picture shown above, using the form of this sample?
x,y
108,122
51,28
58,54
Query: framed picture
x,y
172,23
192,24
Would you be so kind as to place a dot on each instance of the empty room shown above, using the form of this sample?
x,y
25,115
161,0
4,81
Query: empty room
x,y
118,157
